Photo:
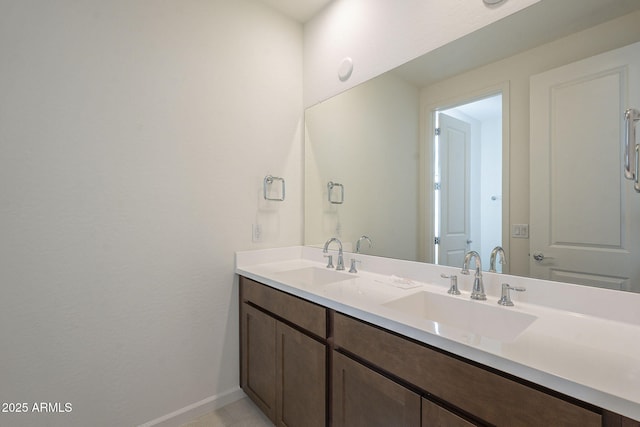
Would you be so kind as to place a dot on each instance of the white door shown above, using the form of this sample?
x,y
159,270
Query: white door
x,y
585,217
454,157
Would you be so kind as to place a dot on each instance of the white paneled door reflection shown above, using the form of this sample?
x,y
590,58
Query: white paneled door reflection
x,y
454,154
585,217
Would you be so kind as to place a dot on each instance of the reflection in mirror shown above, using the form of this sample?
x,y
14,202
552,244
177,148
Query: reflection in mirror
x,y
366,139
467,175
377,140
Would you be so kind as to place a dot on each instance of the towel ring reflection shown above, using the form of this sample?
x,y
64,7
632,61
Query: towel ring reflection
x,y
330,186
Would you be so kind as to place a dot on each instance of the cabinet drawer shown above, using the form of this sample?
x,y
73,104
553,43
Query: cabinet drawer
x,y
489,396
305,314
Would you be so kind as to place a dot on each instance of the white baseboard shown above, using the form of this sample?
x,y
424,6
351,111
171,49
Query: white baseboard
x,y
195,410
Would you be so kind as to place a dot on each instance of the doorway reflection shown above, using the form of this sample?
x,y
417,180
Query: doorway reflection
x,y
468,180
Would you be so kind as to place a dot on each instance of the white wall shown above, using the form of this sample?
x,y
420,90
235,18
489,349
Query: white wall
x,y
517,70
380,35
134,137
349,141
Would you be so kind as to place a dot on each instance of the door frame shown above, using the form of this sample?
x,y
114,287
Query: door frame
x,y
426,197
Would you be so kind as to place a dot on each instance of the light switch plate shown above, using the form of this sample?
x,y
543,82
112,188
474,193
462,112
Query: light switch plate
x,y
520,231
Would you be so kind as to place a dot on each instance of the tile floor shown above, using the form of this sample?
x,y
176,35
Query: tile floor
x,y
242,413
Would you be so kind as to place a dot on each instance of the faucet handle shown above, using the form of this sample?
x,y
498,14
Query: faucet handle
x,y
329,261
505,297
353,268
453,289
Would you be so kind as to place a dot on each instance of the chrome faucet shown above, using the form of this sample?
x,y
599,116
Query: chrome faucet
x,y
363,237
492,260
354,261
340,264
477,292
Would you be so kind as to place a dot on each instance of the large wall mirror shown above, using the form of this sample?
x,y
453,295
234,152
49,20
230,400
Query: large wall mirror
x,y
511,136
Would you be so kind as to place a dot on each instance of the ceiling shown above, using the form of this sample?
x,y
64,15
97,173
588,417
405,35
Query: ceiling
x,y
540,23
484,109
300,10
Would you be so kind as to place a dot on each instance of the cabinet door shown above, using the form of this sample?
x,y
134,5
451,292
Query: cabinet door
x,y
434,415
301,379
364,398
258,373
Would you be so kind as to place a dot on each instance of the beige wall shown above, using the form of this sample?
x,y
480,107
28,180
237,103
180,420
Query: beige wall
x,y
367,140
516,71
134,137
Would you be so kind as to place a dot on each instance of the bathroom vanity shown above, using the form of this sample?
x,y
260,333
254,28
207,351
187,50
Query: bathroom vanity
x,y
321,347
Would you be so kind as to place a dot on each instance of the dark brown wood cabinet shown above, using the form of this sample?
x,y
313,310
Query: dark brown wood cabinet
x,y
258,373
300,379
364,398
305,365
490,397
283,367
434,415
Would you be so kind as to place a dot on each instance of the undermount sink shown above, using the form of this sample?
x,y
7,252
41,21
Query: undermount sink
x,y
312,276
475,317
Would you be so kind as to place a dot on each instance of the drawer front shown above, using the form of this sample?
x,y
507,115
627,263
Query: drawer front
x,y
491,397
305,314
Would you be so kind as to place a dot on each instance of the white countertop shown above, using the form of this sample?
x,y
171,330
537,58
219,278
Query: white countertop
x,y
584,342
